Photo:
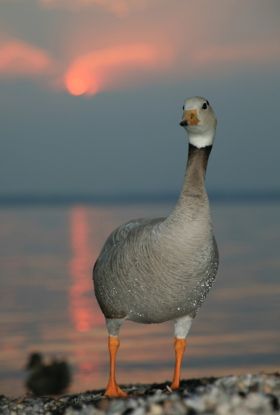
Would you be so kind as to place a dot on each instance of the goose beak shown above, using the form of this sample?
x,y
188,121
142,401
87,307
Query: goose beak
x,y
189,118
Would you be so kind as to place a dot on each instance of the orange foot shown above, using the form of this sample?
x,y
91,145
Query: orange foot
x,y
114,391
175,385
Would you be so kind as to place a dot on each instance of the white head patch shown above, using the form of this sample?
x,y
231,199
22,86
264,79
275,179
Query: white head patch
x,y
200,122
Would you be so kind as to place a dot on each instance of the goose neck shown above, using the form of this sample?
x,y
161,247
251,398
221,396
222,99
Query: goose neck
x,y
194,180
193,200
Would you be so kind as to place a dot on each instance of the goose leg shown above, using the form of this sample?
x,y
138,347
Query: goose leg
x,y
182,327
179,346
112,389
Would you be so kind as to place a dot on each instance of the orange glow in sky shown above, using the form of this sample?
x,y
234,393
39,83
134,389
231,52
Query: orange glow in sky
x,y
80,83
18,58
121,44
107,68
76,85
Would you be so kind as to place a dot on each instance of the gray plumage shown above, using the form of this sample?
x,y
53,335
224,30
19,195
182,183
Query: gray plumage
x,y
155,270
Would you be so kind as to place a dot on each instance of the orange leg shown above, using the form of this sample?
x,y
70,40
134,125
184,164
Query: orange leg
x,y
113,390
179,346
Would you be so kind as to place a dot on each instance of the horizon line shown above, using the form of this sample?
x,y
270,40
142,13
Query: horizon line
x,y
54,199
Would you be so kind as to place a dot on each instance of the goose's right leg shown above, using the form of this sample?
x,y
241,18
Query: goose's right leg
x,y
182,327
113,327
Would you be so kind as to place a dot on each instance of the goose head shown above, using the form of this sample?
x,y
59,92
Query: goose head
x,y
199,121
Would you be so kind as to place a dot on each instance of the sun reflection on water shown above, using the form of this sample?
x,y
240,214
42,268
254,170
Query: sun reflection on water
x,y
80,303
82,308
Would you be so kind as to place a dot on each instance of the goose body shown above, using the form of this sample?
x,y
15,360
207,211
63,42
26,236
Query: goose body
x,y
156,270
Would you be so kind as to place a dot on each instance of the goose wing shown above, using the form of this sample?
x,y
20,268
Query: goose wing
x,y
120,234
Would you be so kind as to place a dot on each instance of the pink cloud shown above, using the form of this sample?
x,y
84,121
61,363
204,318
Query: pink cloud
x,y
97,53
118,7
20,59
113,67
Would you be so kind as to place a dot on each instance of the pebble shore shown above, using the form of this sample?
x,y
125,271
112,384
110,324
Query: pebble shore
x,y
231,395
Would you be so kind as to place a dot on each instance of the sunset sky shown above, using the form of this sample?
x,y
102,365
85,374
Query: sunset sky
x,y
91,93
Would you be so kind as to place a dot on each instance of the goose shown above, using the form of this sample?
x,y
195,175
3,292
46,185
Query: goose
x,y
157,270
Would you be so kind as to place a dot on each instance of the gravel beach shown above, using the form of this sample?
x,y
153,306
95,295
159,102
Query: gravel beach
x,y
236,395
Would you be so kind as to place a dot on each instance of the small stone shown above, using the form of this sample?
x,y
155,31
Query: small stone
x,y
155,409
224,409
195,403
255,401
139,411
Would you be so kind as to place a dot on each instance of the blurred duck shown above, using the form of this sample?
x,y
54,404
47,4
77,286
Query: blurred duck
x,y
156,270
47,379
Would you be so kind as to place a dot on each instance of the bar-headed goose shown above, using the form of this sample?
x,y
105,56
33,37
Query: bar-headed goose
x,y
155,270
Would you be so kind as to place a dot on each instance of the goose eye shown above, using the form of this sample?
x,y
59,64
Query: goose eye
x,y
204,106
183,107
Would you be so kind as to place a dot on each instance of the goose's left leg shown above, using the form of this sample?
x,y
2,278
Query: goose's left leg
x,y
182,327
113,327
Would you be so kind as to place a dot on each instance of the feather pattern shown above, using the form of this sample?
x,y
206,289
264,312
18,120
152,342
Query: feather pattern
x,y
154,270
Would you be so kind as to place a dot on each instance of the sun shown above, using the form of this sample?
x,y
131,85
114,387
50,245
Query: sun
x,y
79,83
76,85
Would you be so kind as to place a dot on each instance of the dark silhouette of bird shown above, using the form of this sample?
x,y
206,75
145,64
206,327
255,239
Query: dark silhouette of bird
x,y
47,379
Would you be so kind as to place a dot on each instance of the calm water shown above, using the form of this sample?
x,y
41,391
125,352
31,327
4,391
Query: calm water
x,y
47,301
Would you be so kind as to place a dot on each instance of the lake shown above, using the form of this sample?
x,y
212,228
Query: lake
x,y
48,304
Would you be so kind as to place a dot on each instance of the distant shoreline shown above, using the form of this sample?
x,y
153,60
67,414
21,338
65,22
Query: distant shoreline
x,y
37,200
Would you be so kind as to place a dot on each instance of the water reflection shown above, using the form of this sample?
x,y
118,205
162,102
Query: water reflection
x,y
79,300
47,300
81,304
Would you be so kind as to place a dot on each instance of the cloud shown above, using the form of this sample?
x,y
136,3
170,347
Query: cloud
x,y
110,68
117,7
97,52
20,59
236,54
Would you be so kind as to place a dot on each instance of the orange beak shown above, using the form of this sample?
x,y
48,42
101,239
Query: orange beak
x,y
189,118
